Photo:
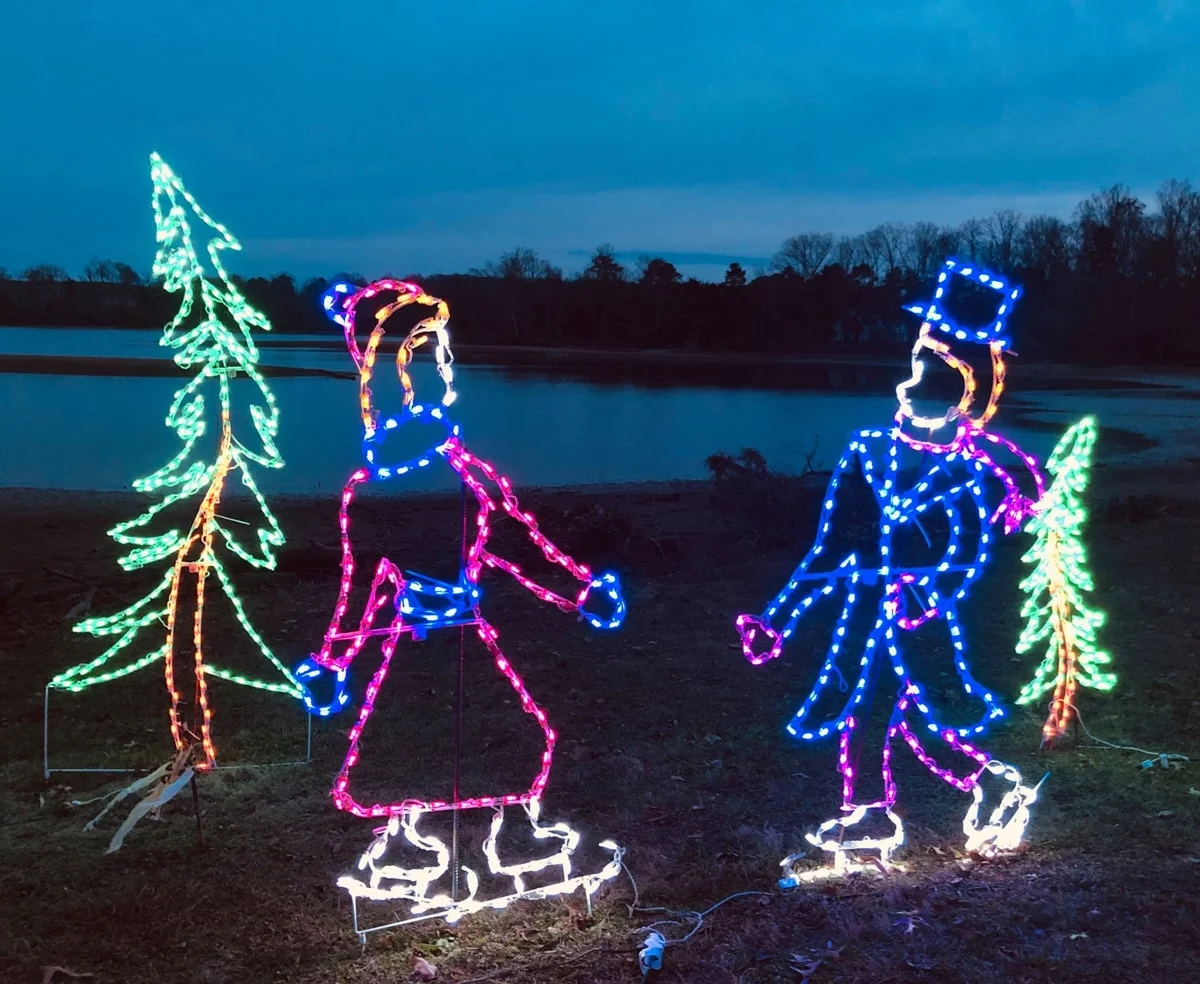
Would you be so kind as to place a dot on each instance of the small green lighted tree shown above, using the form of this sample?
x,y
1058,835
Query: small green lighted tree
x,y
213,340
1055,611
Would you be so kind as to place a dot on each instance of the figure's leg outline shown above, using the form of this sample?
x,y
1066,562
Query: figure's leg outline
x,y
830,836
993,709
489,636
343,799
1006,826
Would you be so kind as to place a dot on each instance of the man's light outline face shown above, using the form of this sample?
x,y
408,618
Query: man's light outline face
x,y
962,410
925,340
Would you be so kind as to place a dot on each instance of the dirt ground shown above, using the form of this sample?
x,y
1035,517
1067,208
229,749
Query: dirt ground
x,y
670,743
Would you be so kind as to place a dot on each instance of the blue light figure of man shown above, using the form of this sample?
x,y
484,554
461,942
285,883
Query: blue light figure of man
x,y
960,478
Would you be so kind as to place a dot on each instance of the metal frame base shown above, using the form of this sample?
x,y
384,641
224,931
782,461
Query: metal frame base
x,y
451,914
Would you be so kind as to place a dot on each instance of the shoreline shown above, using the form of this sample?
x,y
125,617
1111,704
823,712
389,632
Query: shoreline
x,y
603,366
470,353
92,365
18,494
1179,481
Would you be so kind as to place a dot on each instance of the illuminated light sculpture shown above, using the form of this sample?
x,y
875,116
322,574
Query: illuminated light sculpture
x,y
1055,611
421,604
959,476
215,342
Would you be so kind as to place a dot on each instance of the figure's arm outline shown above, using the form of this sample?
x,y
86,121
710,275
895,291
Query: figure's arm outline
x,y
1013,499
855,452
385,571
467,464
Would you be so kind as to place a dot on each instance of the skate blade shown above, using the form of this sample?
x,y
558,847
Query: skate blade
x,y
440,906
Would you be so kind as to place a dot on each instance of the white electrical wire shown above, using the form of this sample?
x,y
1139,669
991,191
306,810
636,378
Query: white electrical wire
x,y
698,916
1102,743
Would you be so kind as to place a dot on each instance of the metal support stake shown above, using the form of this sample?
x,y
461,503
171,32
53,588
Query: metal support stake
x,y
196,807
46,733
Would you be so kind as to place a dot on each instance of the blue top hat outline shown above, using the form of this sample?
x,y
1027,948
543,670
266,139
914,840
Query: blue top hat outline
x,y
993,331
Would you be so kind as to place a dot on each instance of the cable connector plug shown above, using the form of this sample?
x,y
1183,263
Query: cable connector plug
x,y
650,957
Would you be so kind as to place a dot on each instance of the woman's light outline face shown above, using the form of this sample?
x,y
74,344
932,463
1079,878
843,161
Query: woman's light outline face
x,y
443,357
434,326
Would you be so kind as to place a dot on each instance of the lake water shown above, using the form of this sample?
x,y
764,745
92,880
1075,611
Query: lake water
x,y
538,425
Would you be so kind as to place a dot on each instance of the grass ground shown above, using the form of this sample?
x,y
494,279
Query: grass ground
x,y
670,743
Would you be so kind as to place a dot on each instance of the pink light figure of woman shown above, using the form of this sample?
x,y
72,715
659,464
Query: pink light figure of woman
x,y
419,604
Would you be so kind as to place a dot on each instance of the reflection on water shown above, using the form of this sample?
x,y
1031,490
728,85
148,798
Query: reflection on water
x,y
328,352
99,432
542,427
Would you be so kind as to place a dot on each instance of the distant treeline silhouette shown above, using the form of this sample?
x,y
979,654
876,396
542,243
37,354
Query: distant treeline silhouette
x,y
1118,283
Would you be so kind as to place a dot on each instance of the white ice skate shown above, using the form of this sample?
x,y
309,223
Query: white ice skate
x,y
1006,826
863,854
383,882
380,881
568,841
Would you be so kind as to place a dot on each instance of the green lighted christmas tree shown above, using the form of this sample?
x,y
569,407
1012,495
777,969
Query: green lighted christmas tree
x,y
212,339
1055,612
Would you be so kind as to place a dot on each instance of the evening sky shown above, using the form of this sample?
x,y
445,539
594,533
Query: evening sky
x,y
406,138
